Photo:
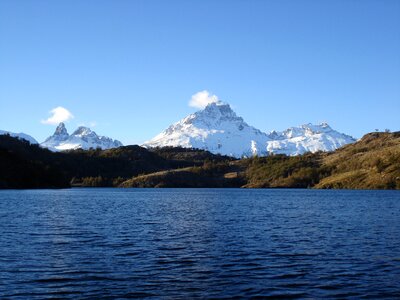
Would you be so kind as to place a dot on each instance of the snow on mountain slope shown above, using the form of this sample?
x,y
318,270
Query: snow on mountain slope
x,y
20,135
307,138
218,129
83,138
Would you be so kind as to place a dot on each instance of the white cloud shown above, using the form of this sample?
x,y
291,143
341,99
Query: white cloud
x,y
58,115
202,99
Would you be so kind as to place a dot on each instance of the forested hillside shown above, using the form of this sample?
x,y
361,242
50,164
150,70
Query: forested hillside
x,y
371,163
23,165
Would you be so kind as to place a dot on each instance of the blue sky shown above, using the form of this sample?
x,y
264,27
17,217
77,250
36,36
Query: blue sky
x,y
131,67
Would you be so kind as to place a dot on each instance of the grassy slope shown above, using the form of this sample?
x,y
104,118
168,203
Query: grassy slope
x,y
371,163
210,174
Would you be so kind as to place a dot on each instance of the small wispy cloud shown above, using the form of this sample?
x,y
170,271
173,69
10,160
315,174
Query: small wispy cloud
x,y
202,99
58,115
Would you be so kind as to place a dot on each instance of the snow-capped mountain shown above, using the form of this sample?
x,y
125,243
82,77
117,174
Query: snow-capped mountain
x,y
20,135
83,138
307,138
218,129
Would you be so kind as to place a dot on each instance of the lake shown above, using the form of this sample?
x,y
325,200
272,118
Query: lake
x,y
199,243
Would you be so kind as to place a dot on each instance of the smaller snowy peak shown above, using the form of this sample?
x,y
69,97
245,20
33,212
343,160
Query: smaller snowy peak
x,y
302,130
319,128
82,138
21,136
83,131
307,138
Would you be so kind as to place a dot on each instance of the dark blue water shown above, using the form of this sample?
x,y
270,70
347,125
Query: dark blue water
x,y
188,243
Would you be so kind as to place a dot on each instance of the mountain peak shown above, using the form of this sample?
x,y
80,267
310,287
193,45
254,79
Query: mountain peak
x,y
61,130
214,114
216,104
59,135
221,107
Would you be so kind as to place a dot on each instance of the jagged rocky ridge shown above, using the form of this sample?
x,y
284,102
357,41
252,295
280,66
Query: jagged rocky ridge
x,y
218,129
81,138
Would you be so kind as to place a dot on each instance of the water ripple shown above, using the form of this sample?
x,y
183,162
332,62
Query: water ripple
x,y
189,243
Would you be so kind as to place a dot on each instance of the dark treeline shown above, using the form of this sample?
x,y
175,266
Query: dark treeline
x,y
23,165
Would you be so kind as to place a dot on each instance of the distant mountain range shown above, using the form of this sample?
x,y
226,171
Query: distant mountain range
x,y
219,130
81,138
